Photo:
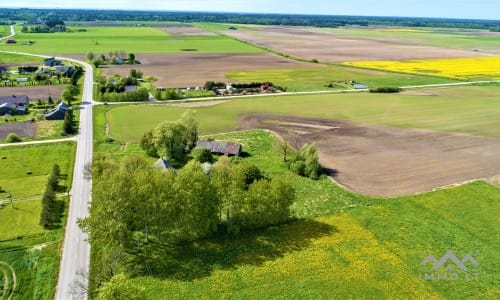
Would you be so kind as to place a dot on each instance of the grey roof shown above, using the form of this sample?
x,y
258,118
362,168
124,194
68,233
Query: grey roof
x,y
15,99
163,165
226,148
58,112
131,88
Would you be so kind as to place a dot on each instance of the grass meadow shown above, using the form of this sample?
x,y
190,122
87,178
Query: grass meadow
x,y
128,39
342,245
319,79
32,251
471,110
16,58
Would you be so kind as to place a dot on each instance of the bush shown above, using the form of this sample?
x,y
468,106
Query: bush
x,y
306,162
13,138
385,90
202,155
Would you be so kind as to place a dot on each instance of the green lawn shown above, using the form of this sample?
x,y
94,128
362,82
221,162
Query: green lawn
x,y
32,251
39,160
344,246
472,110
129,39
318,79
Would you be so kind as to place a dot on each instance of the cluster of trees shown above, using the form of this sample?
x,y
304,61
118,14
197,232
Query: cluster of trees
x,y
116,57
52,24
172,140
306,162
132,200
51,208
113,89
141,94
386,90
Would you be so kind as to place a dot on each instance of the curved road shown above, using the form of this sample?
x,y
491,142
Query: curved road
x,y
76,250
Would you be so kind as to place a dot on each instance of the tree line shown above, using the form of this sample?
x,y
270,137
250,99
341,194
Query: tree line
x,y
78,16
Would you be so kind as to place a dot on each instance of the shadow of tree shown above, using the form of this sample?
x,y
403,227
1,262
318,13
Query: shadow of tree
x,y
199,259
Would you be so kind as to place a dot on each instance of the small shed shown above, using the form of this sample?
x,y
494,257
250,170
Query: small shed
x,y
11,41
163,165
222,148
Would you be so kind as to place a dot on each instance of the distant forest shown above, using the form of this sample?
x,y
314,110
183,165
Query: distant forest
x,y
34,16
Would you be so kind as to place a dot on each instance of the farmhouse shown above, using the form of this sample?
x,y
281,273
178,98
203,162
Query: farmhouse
x,y
224,148
58,112
14,104
52,62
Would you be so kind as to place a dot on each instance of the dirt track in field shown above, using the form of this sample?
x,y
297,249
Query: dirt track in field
x,y
387,161
338,46
183,70
34,92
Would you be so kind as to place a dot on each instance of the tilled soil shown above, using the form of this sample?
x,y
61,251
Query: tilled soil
x,y
387,161
22,129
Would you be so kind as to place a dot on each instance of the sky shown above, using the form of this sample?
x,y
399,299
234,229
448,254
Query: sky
x,y
462,9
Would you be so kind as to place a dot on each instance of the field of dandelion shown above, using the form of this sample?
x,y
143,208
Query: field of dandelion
x,y
474,68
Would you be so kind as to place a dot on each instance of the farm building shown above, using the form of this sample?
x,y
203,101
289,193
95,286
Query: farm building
x,y
163,165
58,112
52,62
15,104
11,41
224,148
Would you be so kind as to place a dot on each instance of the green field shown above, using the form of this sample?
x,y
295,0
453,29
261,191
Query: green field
x,y
129,39
16,58
344,246
472,110
318,79
37,159
4,30
32,251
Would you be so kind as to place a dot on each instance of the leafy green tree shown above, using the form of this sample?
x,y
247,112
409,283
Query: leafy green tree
x,y
169,139
188,119
90,56
306,162
203,155
147,144
131,58
197,203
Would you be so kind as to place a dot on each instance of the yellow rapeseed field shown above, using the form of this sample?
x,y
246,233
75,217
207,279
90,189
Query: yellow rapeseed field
x,y
457,68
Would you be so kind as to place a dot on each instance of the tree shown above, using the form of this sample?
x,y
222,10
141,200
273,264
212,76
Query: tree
x,y
169,139
147,144
97,62
306,162
131,58
202,155
188,119
68,122
198,204
90,56
50,101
